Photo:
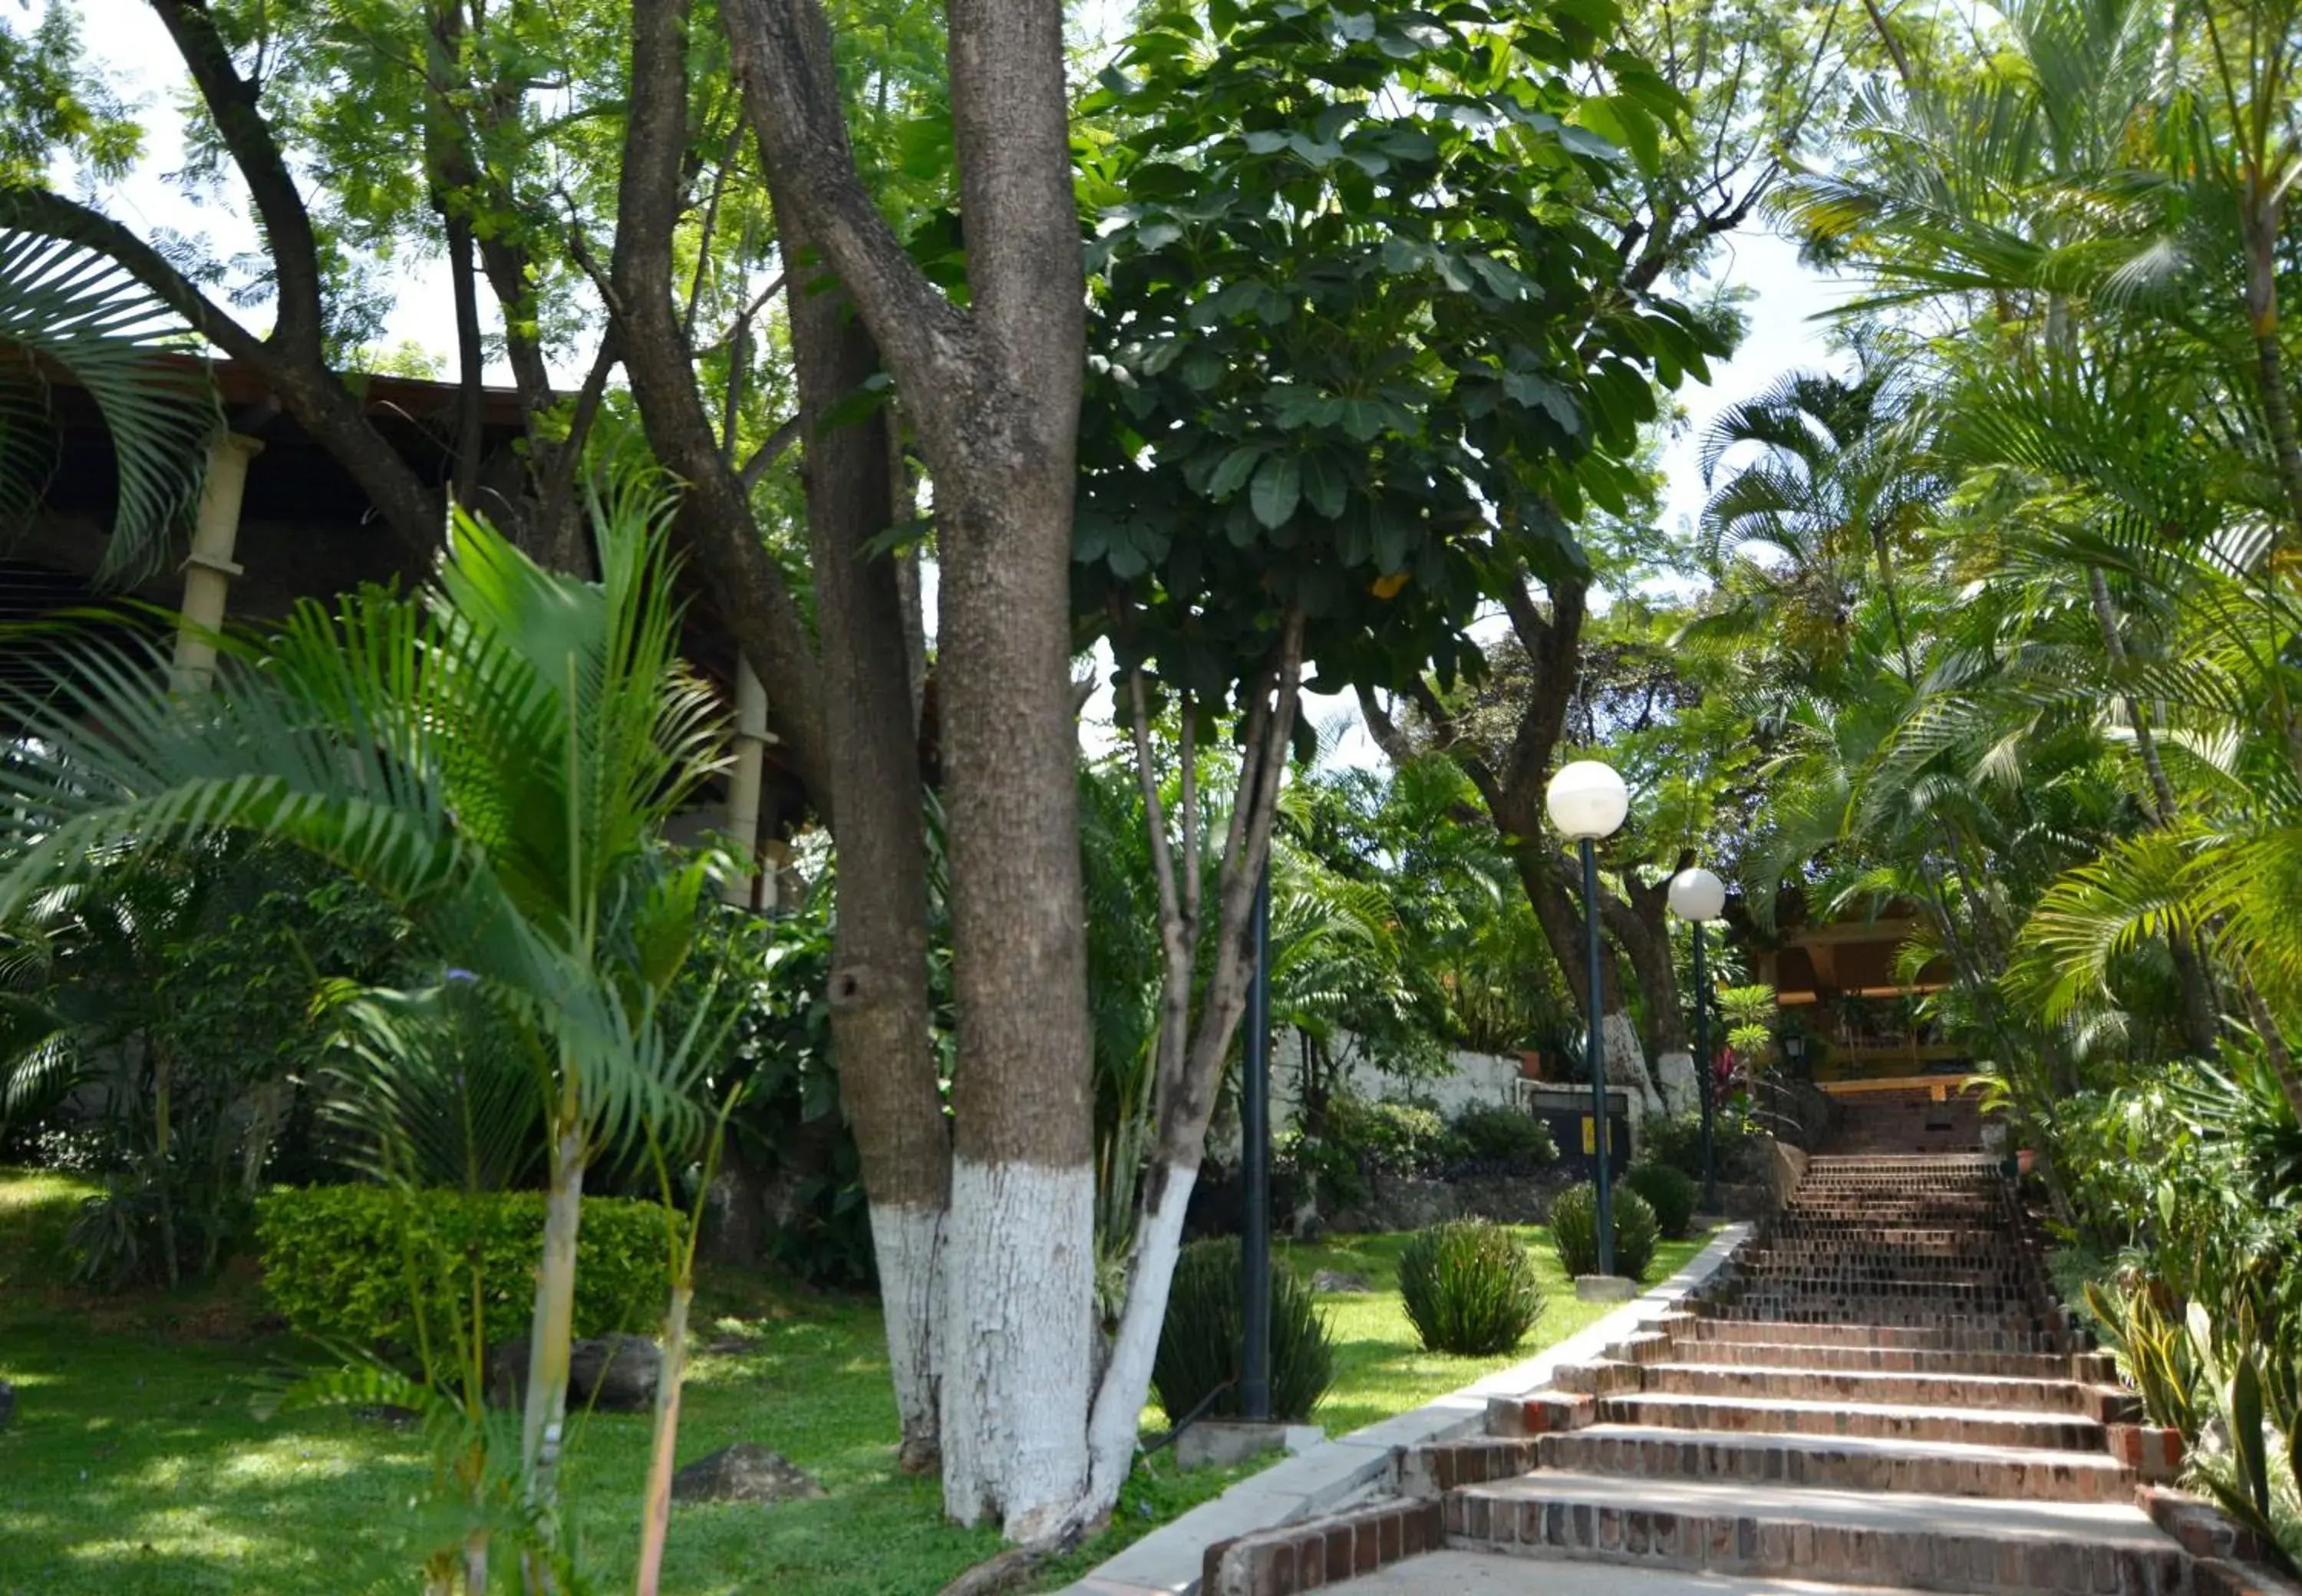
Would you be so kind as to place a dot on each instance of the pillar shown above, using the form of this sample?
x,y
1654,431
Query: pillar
x,y
751,740
208,569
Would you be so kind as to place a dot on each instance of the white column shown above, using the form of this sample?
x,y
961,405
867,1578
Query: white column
x,y
208,569
751,740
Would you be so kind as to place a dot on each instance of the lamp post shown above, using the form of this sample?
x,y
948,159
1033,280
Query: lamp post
x,y
1587,801
1698,897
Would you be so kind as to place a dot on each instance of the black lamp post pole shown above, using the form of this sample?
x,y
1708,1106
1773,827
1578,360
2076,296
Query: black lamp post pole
x,y
1702,1063
1255,1173
1601,1132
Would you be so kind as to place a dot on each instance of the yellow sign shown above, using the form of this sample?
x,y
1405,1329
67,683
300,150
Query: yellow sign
x,y
1590,1136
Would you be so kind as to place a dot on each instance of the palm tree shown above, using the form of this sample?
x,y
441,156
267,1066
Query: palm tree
x,y
496,756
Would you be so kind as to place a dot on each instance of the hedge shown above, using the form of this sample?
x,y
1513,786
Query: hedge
x,y
338,1262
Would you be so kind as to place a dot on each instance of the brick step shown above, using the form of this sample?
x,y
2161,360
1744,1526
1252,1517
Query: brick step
x,y
1991,1391
1837,1539
1937,1334
1840,1463
1800,1306
1966,1252
2095,1368
1862,1234
1979,1218
1942,1283
1792,1415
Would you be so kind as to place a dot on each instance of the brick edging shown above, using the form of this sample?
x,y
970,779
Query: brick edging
x,y
1320,1551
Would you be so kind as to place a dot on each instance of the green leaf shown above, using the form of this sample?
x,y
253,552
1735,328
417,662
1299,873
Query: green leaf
x,y
1278,487
2246,1429
1237,467
1325,484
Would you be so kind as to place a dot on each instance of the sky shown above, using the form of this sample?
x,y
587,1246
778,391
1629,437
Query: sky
x,y
1783,335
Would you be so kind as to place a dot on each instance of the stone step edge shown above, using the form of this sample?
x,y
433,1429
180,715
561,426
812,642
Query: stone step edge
x,y
1767,1546
1314,1552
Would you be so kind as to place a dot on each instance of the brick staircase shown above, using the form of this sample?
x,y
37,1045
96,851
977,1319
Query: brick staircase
x,y
1880,1391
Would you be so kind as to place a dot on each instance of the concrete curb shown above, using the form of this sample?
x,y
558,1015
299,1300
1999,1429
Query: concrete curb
x,y
1322,1479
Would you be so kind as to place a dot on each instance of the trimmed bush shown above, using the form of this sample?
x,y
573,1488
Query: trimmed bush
x,y
1505,1137
1202,1340
1575,1231
348,1263
1393,1138
1468,1286
1670,1194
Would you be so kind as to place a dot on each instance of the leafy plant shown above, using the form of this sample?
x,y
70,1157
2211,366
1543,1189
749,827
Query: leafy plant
x,y
1669,1192
1490,1134
1388,1138
2257,1383
496,759
62,304
1575,1231
1197,1367
2152,1349
1468,1288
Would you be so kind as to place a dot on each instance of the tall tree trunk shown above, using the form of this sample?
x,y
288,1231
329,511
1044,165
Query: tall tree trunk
x,y
879,1008
1191,1054
993,389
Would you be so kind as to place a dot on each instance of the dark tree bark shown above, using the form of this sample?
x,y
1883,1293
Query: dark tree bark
x,y
994,389
880,1006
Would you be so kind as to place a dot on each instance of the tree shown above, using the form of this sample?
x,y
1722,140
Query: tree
x,y
1346,370
1750,87
991,386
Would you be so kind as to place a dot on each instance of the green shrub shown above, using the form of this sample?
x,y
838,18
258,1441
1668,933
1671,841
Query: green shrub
x,y
1202,1340
1669,1193
1468,1286
1493,1134
348,1264
1735,1145
1575,1231
1397,1138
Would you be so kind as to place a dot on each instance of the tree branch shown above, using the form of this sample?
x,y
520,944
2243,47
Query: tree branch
x,y
287,236
782,51
315,395
716,514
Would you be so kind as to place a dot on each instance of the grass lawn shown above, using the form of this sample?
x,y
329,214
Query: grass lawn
x,y
1380,1370
136,1467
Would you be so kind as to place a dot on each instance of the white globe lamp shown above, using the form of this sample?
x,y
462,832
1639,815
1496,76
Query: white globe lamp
x,y
1587,801
1697,894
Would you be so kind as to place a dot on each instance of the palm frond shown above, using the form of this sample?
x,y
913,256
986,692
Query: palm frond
x,y
67,307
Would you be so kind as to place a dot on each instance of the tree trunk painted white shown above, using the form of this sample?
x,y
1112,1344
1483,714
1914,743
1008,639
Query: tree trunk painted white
x,y
1127,1376
549,1333
908,1241
1682,1088
1626,1064
1019,1293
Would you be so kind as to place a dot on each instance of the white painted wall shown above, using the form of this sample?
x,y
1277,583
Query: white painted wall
x,y
1477,1079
